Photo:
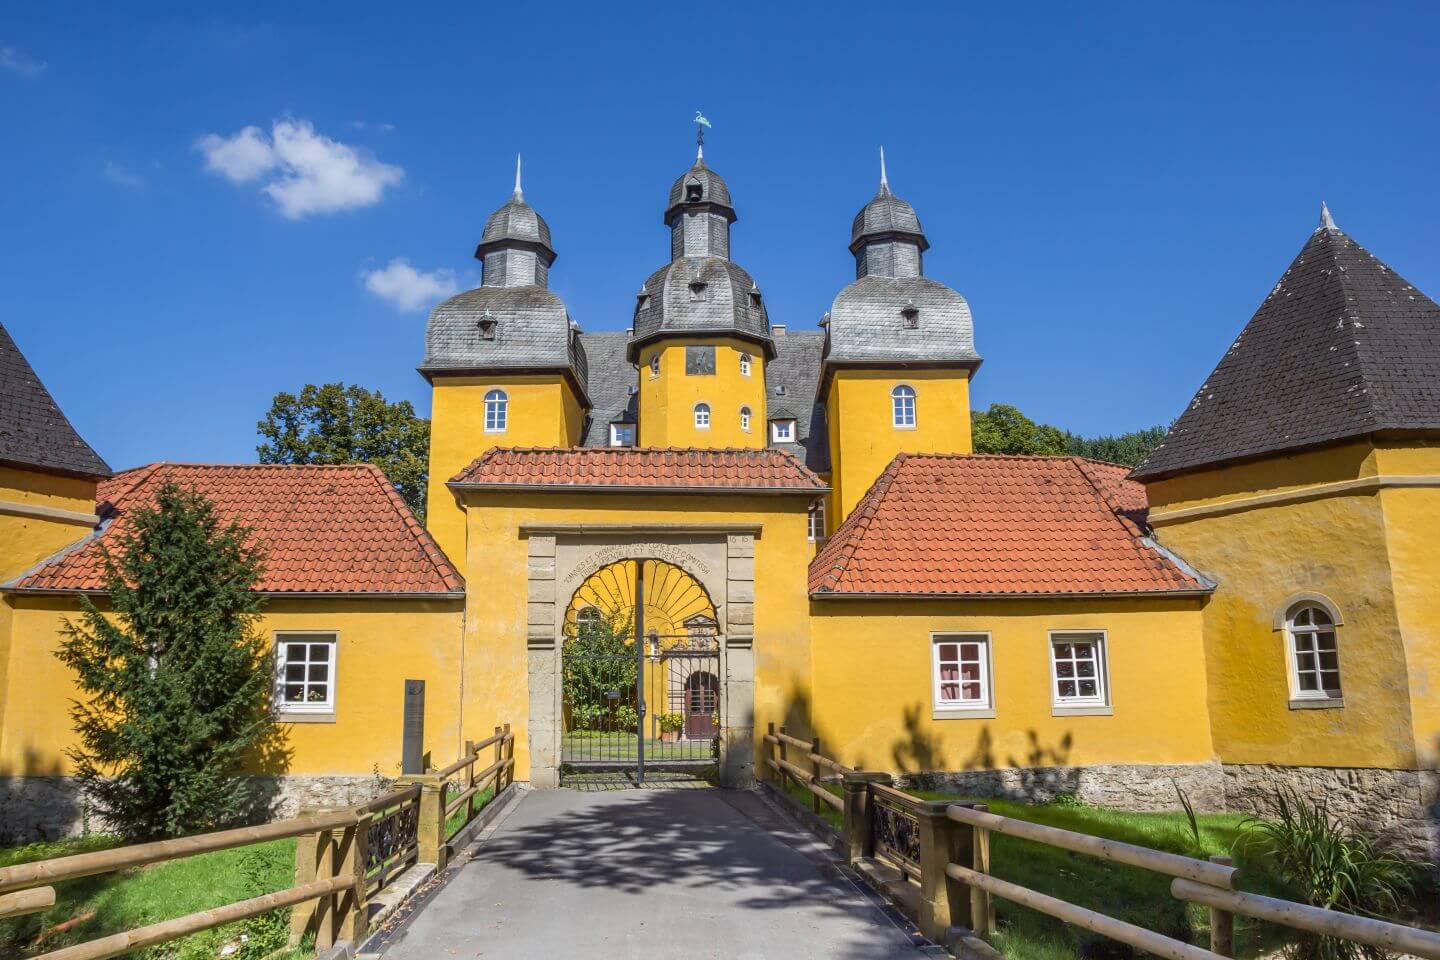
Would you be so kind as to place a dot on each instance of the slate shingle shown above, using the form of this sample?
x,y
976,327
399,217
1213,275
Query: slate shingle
x,y
33,431
1342,347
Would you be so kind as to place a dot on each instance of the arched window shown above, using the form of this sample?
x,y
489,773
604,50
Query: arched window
x,y
496,406
744,364
702,416
745,419
1313,653
902,406
655,364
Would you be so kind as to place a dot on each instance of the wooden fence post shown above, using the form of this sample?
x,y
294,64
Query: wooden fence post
x,y
308,851
1222,922
769,755
944,902
507,773
858,833
499,781
982,908
474,756
784,783
430,839
349,917
814,774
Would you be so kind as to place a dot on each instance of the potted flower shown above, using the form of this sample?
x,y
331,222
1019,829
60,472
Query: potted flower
x,y
670,726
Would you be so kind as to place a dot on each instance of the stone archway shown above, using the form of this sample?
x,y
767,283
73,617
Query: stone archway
x,y
720,561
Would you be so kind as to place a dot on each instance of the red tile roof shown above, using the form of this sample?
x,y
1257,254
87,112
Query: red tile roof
x,y
998,526
324,529
670,468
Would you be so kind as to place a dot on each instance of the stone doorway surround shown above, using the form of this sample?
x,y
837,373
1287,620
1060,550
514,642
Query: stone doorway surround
x,y
720,558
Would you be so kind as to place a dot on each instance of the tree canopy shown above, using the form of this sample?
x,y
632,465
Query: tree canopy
x,y
1004,429
176,679
335,423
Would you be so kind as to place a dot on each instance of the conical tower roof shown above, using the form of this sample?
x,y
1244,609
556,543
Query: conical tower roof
x,y
33,431
1341,348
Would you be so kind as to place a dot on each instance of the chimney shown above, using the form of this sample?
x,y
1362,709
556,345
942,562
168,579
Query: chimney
x,y
778,329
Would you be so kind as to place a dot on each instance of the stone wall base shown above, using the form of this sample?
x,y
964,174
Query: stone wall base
x,y
1399,806
1123,786
48,808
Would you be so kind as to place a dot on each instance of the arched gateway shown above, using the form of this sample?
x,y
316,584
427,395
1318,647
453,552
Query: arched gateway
x,y
640,672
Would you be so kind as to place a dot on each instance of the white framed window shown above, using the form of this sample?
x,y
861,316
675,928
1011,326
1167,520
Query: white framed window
x,y
815,523
902,407
305,672
745,364
622,434
702,416
745,419
960,670
497,413
1078,681
655,365
1314,656
782,431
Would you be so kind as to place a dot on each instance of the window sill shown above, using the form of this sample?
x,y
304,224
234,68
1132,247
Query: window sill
x,y
899,427
285,716
1097,710
1318,703
963,713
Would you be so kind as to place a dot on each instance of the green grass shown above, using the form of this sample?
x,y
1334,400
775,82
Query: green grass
x,y
1126,893
579,746
114,902
456,820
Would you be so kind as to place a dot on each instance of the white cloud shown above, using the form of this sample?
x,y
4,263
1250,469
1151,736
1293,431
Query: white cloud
x,y
17,61
309,173
406,288
122,177
245,156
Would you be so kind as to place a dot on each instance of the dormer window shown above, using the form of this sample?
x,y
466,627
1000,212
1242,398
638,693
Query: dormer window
x,y
910,317
622,434
699,290
694,192
754,298
782,431
488,325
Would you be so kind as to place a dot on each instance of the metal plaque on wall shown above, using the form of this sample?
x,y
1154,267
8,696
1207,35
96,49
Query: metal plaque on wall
x,y
699,360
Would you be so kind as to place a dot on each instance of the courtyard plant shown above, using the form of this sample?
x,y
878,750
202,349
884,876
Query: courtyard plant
x,y
1327,863
599,672
174,677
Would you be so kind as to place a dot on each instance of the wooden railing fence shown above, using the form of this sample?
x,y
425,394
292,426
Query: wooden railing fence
x,y
342,858
943,847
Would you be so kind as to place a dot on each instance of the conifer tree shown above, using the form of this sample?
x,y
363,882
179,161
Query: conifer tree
x,y
176,678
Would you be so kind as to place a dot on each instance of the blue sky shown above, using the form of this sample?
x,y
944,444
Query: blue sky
x,y
1113,187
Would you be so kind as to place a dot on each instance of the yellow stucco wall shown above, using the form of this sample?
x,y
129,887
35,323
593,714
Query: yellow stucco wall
x,y
381,644
543,412
496,677
667,401
864,439
873,704
1367,550
26,540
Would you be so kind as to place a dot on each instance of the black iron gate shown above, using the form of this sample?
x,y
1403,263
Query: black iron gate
x,y
635,699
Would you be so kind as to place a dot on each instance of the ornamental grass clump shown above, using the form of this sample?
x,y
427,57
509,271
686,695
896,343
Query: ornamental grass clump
x,y
1332,865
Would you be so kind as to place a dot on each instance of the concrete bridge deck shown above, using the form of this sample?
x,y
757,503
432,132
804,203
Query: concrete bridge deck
x,y
649,873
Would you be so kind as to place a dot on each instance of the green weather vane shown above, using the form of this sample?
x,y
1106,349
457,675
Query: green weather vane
x,y
700,124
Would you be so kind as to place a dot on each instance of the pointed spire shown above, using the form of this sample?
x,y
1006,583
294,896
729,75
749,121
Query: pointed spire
x,y
884,180
519,195
1327,222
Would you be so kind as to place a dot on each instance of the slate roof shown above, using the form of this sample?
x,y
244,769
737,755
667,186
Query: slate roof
x,y
515,222
958,525
324,529
532,330
610,380
867,323
667,305
1342,347
886,216
713,189
792,378
723,470
33,431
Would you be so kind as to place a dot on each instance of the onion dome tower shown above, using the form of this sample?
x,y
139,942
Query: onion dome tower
x,y
701,335
504,360
899,353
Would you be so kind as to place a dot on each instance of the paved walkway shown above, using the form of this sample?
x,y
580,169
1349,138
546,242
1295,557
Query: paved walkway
x,y
648,873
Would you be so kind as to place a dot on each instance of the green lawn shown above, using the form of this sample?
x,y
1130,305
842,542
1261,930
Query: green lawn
x,y
580,746
97,906
1127,893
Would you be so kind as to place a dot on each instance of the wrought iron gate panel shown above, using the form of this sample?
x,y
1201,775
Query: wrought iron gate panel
x,y
676,722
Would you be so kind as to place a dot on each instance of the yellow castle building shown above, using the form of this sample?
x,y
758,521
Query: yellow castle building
x,y
646,546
